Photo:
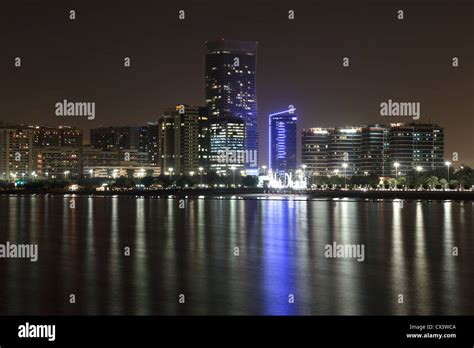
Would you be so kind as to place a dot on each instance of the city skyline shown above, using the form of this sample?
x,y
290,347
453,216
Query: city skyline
x,y
185,140
309,76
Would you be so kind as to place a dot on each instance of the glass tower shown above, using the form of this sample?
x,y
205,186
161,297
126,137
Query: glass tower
x,y
282,138
230,84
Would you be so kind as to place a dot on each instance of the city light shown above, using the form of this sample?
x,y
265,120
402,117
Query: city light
x,y
396,165
287,181
233,175
200,174
447,165
344,165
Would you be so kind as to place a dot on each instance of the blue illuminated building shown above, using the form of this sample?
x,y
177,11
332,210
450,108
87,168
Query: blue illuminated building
x,y
282,141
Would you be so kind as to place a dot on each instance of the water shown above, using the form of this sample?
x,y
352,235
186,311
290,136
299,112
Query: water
x,y
190,251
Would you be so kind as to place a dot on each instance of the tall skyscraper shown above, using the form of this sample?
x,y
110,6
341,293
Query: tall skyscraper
x,y
282,141
230,84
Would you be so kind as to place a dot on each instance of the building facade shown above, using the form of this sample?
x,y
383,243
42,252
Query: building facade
x,y
230,84
415,144
315,150
282,141
373,149
57,136
332,151
184,139
58,162
227,144
374,157
16,152
109,138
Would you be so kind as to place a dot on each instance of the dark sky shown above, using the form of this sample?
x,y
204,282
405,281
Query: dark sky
x,y
299,61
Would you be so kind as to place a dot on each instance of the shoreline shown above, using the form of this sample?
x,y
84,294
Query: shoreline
x,y
260,194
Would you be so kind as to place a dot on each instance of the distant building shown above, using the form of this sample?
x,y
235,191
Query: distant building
x,y
57,136
97,163
325,151
153,144
16,152
374,150
282,141
91,157
109,138
114,172
227,144
315,152
183,139
52,162
413,145
230,84
148,142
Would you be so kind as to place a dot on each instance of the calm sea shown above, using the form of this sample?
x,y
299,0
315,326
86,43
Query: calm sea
x,y
236,257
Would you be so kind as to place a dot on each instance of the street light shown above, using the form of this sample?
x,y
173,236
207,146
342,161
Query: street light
x,y
170,170
200,173
65,174
396,165
304,166
344,165
233,175
447,165
91,172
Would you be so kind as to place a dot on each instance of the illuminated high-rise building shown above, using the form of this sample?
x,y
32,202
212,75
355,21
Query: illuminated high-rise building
x,y
282,141
227,144
16,152
183,139
230,84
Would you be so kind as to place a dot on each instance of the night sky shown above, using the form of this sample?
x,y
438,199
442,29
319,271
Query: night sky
x,y
299,61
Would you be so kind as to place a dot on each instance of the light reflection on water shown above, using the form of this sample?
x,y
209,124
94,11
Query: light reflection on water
x,y
191,251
